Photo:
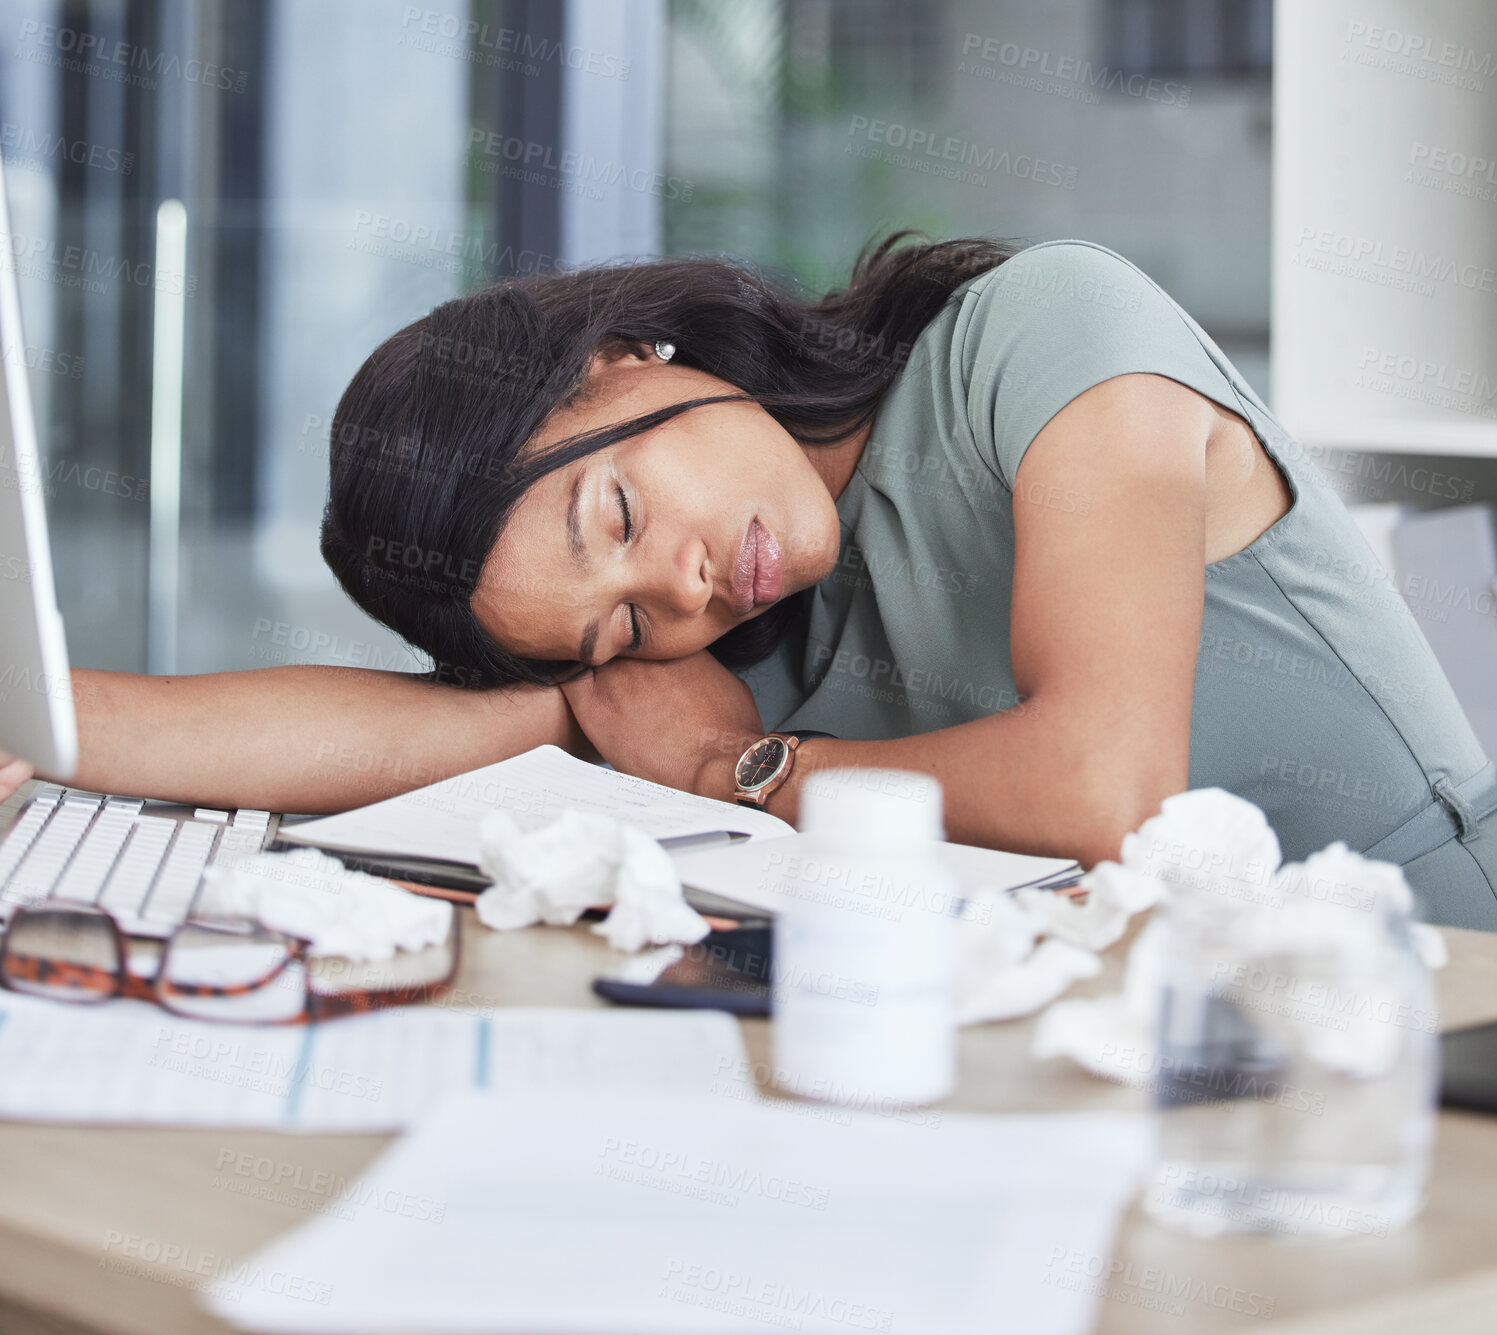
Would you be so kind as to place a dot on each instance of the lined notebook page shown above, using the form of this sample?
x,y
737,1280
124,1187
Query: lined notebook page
x,y
441,820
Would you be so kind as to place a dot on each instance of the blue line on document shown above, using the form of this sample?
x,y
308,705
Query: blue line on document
x,y
481,1062
299,1075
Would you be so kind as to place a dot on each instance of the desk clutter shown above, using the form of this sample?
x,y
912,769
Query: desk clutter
x,y
1280,1018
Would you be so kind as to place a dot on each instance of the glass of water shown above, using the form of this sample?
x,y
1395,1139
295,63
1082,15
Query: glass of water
x,y
1297,1066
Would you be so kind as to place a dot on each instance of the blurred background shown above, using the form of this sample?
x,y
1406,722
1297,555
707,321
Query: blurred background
x,y
344,165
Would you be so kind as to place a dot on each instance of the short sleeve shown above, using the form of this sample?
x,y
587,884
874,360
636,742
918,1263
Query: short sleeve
x,y
1055,320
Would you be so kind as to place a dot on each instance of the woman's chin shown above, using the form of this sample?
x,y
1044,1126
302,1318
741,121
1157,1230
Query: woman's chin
x,y
823,570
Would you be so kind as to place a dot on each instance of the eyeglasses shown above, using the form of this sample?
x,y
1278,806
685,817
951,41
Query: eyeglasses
x,y
230,970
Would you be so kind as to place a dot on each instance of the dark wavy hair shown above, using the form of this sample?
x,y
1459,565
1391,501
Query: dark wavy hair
x,y
426,460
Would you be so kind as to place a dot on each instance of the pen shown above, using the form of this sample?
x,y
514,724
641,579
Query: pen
x,y
703,840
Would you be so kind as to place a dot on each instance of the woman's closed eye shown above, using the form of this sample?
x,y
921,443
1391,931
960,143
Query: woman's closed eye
x,y
635,637
624,509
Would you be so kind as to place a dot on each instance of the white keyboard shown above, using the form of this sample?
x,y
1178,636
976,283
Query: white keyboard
x,y
144,868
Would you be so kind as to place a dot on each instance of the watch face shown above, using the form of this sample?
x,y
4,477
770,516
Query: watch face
x,y
760,763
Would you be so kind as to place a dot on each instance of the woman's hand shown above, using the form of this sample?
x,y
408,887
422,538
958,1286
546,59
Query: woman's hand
x,y
13,773
683,722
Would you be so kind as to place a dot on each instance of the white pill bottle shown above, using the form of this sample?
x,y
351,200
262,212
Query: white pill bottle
x,y
863,948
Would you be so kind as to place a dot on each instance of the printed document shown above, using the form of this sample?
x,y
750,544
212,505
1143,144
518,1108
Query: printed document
x,y
693,1213
130,1061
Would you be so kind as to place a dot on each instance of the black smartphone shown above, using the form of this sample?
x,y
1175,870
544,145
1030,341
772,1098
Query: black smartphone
x,y
1468,1068
727,970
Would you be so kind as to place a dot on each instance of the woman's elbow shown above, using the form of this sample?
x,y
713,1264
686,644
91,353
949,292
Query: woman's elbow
x,y
1113,808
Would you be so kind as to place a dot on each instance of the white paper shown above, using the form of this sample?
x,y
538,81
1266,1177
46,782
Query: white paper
x,y
766,873
441,821
700,1213
130,1061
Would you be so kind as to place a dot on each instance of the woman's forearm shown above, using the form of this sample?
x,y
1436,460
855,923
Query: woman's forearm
x,y
1044,778
307,739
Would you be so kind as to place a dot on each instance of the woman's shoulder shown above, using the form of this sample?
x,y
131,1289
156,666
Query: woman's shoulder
x,y
1070,298
1055,320
1086,271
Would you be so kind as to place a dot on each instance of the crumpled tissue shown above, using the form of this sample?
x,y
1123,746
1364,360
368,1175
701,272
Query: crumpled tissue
x,y
1017,952
583,860
306,893
1003,970
1218,849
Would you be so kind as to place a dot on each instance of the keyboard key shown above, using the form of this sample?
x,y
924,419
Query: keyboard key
x,y
246,833
246,816
95,858
19,837
177,884
130,882
49,853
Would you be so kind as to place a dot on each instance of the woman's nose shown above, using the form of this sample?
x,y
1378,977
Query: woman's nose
x,y
687,582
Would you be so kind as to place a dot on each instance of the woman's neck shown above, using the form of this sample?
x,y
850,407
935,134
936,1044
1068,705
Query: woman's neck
x,y
835,464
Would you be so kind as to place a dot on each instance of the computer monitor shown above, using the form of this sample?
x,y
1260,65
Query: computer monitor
x,y
36,690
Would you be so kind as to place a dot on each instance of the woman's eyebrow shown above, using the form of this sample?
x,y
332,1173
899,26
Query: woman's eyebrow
x,y
574,522
589,643
579,554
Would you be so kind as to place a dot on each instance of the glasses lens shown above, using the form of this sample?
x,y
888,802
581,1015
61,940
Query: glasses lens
x,y
66,953
248,975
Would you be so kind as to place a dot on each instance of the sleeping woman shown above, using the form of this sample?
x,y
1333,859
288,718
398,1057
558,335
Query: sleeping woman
x,y
1001,514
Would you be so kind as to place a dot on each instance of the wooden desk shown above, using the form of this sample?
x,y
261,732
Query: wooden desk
x,y
63,1190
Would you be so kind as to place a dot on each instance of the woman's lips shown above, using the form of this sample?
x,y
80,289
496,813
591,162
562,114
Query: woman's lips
x,y
758,570
769,574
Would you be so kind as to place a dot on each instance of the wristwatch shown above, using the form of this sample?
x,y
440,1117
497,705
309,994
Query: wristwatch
x,y
766,765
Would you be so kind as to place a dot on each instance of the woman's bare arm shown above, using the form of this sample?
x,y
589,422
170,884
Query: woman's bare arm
x,y
1105,629
307,739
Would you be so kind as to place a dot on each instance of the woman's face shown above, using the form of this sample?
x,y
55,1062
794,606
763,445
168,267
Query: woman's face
x,y
656,546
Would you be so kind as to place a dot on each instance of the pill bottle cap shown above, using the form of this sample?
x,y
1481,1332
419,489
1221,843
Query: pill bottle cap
x,y
872,806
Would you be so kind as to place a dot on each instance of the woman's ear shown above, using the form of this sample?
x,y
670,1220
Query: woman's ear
x,y
618,350
619,355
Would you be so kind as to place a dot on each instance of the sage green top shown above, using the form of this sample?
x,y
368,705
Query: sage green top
x,y
1316,695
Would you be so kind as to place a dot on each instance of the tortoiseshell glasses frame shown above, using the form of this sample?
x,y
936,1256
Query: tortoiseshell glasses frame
x,y
229,970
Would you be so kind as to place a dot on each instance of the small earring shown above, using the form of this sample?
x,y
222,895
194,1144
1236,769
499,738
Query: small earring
x,y
665,351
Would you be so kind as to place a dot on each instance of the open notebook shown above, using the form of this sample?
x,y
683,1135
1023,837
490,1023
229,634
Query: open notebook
x,y
770,873
431,834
